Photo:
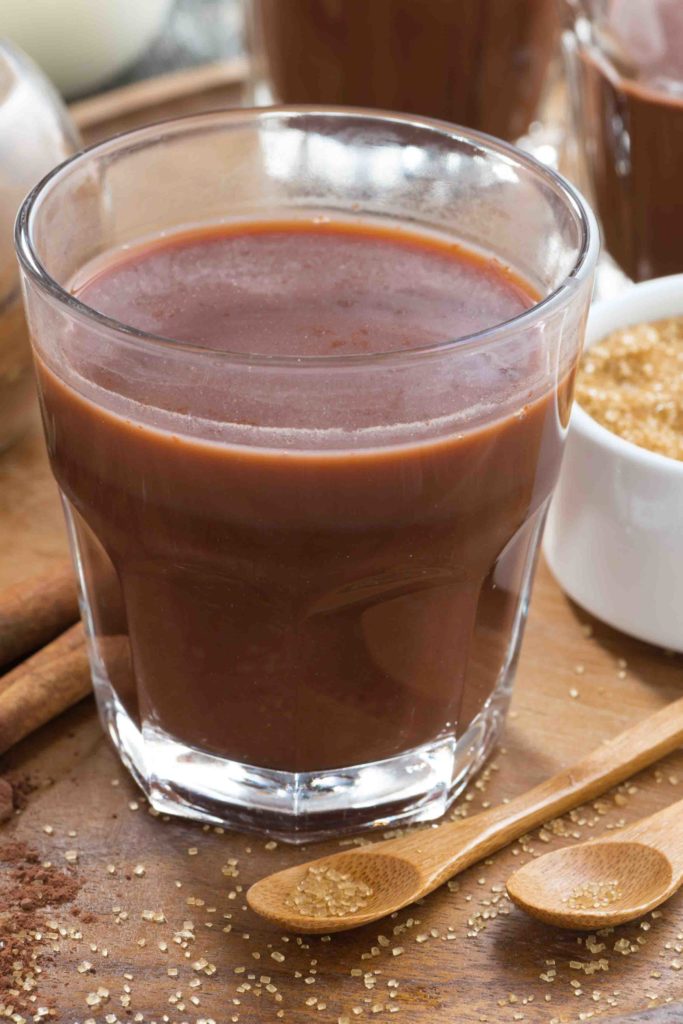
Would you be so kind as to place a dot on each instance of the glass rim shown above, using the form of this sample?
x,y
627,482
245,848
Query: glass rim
x,y
583,267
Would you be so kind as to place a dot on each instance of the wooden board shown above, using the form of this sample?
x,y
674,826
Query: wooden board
x,y
462,956
189,91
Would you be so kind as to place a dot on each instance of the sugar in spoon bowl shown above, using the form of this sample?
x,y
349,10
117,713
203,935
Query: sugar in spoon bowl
x,y
609,881
355,887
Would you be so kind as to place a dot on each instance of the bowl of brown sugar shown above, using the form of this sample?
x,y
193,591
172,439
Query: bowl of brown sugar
x,y
614,536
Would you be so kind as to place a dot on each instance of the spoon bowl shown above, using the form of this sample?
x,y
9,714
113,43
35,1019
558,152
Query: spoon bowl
x,y
391,879
371,882
594,884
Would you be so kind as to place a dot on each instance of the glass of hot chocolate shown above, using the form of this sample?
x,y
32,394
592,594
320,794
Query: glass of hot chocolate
x,y
305,379
480,63
625,64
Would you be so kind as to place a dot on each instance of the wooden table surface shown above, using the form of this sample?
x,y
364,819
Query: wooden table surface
x,y
464,955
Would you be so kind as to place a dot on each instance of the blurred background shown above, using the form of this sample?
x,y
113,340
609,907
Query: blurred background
x,y
85,47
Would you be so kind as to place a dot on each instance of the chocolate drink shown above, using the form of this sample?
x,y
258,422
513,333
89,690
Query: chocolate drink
x,y
630,91
480,63
304,608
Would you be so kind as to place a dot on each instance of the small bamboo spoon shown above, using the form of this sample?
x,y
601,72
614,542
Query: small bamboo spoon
x,y
400,871
608,881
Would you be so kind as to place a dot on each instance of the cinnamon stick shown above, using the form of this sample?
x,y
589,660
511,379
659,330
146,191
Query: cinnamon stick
x,y
43,686
35,611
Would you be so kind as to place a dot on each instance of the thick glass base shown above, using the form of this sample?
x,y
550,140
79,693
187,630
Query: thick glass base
x,y
300,807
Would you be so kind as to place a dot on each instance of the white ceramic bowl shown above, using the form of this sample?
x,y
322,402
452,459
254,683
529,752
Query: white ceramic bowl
x,y
614,536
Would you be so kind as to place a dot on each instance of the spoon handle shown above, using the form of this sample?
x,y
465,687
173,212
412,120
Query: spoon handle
x,y
454,847
662,830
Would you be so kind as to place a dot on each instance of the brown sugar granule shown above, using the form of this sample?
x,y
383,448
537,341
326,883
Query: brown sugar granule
x,y
325,892
632,383
594,895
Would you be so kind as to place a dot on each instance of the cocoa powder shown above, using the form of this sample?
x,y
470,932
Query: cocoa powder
x,y
33,884
22,787
27,886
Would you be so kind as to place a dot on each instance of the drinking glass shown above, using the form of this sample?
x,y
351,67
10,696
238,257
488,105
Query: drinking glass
x,y
480,63
35,133
625,66
297,623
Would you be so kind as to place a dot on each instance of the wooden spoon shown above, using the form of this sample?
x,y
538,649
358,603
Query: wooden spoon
x,y
399,871
605,881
